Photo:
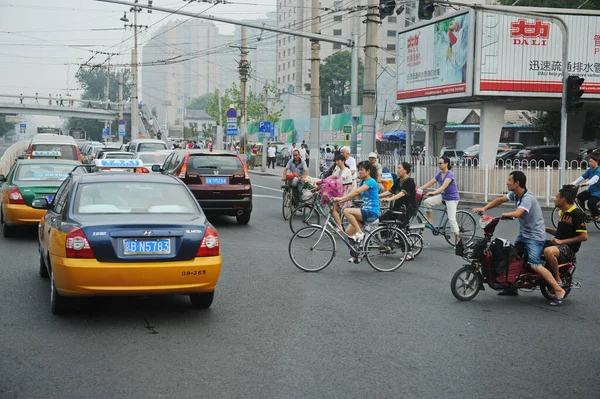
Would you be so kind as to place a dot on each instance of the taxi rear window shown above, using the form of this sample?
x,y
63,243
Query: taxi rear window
x,y
54,172
67,151
151,147
208,164
132,197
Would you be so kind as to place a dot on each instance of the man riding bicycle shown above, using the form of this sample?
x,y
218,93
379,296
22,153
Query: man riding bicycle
x,y
532,231
592,194
298,166
568,235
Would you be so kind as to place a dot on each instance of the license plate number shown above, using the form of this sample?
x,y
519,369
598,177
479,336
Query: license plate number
x,y
147,247
49,197
216,180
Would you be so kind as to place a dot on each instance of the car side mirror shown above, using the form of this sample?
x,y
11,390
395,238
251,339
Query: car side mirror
x,y
40,203
2,178
156,168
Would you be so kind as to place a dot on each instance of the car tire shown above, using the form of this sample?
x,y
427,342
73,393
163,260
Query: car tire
x,y
244,218
7,231
58,303
202,300
43,269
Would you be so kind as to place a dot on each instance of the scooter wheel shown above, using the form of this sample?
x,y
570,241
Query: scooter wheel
x,y
548,292
466,283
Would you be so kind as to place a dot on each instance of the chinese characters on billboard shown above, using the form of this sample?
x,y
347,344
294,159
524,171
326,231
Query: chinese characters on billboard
x,y
435,60
517,55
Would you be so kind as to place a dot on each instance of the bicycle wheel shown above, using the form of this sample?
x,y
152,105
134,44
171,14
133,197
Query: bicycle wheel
x,y
415,242
554,217
286,207
312,249
466,228
386,248
597,223
304,216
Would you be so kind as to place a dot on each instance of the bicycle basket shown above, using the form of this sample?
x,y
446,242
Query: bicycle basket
x,y
476,248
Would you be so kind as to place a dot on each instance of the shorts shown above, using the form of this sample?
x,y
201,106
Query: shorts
x,y
368,216
566,254
534,250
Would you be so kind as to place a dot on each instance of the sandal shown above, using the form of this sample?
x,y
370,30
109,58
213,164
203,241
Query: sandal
x,y
409,256
557,301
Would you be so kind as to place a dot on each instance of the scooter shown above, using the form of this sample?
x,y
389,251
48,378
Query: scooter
x,y
469,280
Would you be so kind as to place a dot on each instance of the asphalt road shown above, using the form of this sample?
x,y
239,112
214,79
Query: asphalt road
x,y
277,332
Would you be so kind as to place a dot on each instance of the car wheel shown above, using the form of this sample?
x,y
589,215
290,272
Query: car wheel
x,y
43,269
7,231
203,300
244,218
58,303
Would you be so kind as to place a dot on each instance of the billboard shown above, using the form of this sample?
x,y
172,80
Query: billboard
x,y
435,60
519,56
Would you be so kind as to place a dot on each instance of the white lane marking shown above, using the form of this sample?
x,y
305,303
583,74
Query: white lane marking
x,y
267,188
265,196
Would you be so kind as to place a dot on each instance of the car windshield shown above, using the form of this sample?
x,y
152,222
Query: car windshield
x,y
153,158
125,197
67,151
209,164
145,147
45,172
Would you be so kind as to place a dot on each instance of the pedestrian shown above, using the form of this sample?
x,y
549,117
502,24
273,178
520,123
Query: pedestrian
x,y
36,98
271,153
49,99
328,157
57,102
21,98
61,100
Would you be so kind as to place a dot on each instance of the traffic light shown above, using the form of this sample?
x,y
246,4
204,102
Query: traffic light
x,y
574,93
426,9
386,8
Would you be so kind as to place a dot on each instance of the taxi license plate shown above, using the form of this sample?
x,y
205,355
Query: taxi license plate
x,y
147,247
216,180
49,197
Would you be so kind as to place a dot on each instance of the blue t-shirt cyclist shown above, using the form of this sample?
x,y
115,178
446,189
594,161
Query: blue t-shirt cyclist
x,y
592,194
369,191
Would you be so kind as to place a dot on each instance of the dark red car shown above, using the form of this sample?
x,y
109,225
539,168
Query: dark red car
x,y
218,180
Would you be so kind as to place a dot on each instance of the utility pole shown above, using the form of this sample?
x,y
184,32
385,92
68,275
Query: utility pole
x,y
107,93
370,83
120,103
265,116
354,93
219,144
243,68
315,92
134,78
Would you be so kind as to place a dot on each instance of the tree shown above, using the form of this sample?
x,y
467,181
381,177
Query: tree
x,y
5,127
93,82
335,79
549,123
201,102
254,105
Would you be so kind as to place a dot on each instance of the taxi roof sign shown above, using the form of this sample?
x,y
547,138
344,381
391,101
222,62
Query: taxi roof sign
x,y
46,154
119,163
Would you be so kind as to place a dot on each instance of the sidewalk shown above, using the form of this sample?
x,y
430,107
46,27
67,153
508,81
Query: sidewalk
x,y
464,203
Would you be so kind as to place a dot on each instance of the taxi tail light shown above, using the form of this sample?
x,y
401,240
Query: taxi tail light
x,y
244,166
30,149
142,170
210,243
183,170
78,153
15,197
77,245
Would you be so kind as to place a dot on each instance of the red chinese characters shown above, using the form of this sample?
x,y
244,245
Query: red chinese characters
x,y
525,33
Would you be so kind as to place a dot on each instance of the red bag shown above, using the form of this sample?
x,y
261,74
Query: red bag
x,y
515,266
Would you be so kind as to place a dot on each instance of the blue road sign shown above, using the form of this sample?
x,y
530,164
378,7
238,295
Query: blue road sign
x,y
231,113
121,122
22,127
121,129
105,132
266,128
232,129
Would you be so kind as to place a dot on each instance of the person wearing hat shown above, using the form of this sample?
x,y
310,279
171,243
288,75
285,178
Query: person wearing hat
x,y
378,167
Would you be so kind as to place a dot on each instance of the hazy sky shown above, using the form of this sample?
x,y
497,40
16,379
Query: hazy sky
x,y
43,42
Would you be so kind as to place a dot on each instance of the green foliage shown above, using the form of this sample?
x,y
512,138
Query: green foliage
x,y
335,79
92,127
93,82
201,102
254,106
590,5
549,123
6,127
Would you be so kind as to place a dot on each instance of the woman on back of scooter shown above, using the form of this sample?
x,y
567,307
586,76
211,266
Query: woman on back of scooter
x,y
532,229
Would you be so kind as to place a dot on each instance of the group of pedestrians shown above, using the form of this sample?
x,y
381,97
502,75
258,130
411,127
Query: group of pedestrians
x,y
59,100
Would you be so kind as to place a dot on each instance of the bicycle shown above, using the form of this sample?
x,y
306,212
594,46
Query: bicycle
x,y
588,215
466,225
386,241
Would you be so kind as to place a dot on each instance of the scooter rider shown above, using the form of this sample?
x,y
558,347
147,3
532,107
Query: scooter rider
x,y
532,230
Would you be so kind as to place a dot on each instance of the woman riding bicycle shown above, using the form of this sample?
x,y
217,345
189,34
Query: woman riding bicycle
x,y
369,191
447,192
592,194
343,173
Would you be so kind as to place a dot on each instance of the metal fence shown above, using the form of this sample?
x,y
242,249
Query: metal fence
x,y
11,153
484,182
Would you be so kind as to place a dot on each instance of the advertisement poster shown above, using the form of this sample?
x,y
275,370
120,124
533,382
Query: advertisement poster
x,y
517,55
435,60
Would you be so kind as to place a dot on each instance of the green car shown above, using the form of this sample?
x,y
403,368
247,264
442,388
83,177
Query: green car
x,y
26,180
